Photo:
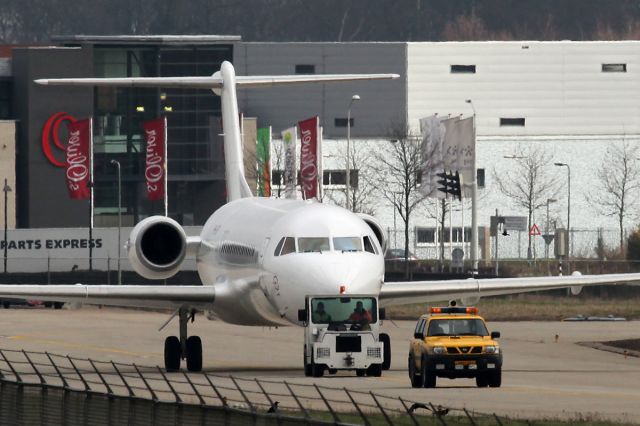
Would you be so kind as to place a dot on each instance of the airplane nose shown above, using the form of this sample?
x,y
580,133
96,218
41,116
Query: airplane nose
x,y
355,275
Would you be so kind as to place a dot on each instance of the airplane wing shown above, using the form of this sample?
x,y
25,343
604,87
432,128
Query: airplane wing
x,y
151,296
213,82
402,293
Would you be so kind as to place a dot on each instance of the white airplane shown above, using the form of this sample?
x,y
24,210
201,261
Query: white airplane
x,y
259,257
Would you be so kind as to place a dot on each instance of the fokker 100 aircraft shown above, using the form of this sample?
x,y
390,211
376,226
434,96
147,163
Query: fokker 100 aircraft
x,y
251,254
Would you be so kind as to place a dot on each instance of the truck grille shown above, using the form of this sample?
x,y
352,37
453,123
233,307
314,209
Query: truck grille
x,y
323,352
373,353
464,350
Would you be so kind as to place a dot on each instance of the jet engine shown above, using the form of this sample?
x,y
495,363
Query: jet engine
x,y
157,246
377,229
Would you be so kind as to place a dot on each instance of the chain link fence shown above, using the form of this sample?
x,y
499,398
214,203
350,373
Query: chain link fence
x,y
42,389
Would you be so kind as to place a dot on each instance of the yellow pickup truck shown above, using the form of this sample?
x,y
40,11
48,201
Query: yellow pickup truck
x,y
454,342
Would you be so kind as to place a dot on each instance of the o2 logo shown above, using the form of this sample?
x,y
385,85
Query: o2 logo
x,y
50,135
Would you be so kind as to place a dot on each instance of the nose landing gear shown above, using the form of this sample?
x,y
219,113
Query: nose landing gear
x,y
189,348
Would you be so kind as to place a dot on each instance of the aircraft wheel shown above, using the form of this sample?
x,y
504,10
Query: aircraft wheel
x,y
495,379
58,305
6,305
48,304
386,344
194,353
374,370
333,371
414,376
360,372
172,354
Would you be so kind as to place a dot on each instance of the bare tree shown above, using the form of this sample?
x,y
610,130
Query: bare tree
x,y
531,184
401,168
618,184
277,167
364,179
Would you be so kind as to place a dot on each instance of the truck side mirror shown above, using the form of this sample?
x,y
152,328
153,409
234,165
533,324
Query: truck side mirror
x,y
302,315
495,334
382,313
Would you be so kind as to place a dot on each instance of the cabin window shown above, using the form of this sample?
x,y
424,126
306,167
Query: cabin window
x,y
519,121
306,245
614,67
463,69
289,246
369,246
347,244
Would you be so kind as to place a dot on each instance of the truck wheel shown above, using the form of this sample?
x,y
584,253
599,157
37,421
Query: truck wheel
x,y
360,372
333,371
374,370
58,305
429,376
6,305
386,346
317,370
414,376
481,381
495,379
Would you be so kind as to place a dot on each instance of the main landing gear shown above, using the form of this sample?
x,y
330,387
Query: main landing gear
x,y
177,349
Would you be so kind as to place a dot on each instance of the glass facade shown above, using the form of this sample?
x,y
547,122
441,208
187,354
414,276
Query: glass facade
x,y
195,150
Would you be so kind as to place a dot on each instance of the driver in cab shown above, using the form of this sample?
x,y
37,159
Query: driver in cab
x,y
320,316
360,316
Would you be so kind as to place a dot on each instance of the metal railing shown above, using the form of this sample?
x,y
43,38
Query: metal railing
x,y
42,388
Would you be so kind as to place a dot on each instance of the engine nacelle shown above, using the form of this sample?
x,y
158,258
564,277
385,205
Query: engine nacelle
x,y
157,246
377,229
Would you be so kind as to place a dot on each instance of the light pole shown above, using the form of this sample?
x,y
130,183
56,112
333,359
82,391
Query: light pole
x,y
348,171
474,200
546,231
117,164
568,206
6,189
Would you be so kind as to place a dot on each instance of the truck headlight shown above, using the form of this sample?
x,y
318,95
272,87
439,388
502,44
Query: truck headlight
x,y
438,350
492,349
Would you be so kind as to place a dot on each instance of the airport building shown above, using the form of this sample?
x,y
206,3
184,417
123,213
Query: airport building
x,y
573,99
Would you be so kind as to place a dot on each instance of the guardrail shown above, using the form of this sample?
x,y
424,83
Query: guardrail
x,y
43,388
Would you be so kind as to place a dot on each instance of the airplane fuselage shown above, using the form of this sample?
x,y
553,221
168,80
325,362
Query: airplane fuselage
x,y
268,254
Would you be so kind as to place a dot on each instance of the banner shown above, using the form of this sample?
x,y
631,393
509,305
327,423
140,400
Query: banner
x,y
448,145
263,157
309,157
155,135
78,159
290,140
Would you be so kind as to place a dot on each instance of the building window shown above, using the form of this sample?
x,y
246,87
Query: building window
x,y
463,69
425,235
480,178
338,177
512,122
342,122
305,69
614,67
277,177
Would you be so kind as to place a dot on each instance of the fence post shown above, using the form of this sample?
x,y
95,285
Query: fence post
x,y
215,389
355,404
84,382
333,413
469,417
381,408
126,384
437,414
251,407
104,382
295,397
178,399
202,401
153,394
13,370
34,368
409,412
497,419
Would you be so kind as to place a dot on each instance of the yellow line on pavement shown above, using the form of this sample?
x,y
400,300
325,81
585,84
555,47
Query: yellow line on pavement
x,y
80,346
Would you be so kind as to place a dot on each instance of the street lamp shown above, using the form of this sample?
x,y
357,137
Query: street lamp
x,y
348,180
568,205
117,164
6,189
546,231
474,199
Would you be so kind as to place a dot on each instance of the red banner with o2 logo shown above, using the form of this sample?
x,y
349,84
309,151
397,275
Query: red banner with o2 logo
x,y
309,157
155,169
78,156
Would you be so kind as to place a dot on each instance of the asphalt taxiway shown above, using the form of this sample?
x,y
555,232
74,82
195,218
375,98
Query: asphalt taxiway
x,y
543,376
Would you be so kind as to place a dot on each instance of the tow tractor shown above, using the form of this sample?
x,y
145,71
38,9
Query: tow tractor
x,y
343,333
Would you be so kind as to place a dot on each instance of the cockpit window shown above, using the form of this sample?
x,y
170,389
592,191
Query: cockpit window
x,y
347,244
369,246
289,246
279,247
306,245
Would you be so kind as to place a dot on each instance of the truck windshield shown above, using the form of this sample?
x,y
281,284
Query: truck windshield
x,y
457,327
344,310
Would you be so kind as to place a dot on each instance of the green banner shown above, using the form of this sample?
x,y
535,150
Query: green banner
x,y
263,162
